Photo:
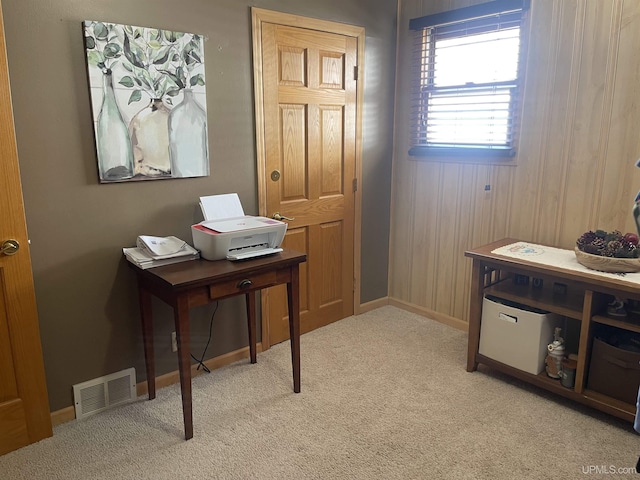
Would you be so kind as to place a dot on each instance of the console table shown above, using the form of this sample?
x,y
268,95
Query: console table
x,y
583,300
199,282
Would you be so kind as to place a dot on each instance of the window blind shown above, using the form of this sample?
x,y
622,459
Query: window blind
x,y
466,87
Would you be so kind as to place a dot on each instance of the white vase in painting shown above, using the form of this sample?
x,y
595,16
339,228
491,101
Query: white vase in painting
x,y
149,130
188,143
115,155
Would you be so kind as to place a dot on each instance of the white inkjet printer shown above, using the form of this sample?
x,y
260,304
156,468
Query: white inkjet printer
x,y
227,232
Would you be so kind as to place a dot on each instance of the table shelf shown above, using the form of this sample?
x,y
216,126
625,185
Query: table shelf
x,y
630,323
569,304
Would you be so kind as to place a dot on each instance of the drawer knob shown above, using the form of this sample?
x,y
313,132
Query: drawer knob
x,y
246,283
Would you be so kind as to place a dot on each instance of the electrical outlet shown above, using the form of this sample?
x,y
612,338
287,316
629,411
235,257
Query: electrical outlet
x,y
174,342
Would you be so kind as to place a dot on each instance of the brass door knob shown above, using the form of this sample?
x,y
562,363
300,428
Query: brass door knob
x,y
10,247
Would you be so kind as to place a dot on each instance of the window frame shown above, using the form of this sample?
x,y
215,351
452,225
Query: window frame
x,y
488,154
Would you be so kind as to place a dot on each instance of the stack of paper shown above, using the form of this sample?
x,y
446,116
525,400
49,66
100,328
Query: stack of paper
x,y
156,251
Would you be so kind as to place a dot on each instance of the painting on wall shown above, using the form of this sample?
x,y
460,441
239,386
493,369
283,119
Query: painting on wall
x,y
148,99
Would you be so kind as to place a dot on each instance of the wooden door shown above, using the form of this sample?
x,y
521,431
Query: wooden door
x,y
24,406
309,80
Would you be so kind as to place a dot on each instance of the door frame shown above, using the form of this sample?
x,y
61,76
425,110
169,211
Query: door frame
x,y
258,17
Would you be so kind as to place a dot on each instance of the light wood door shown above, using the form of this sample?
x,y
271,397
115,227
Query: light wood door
x,y
309,87
24,406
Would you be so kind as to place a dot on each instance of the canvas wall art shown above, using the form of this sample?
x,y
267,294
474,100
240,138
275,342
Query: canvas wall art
x,y
148,99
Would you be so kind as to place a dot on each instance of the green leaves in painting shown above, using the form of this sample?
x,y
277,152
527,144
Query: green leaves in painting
x,y
102,44
197,80
158,62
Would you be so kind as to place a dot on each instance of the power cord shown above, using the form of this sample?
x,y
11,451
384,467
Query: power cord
x,y
201,359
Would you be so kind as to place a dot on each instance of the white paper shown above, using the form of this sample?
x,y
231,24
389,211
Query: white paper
x,y
161,246
217,207
142,259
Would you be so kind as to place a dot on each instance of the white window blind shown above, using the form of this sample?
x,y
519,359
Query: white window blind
x,y
466,80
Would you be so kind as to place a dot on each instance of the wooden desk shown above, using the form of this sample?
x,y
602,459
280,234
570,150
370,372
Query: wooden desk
x,y
199,282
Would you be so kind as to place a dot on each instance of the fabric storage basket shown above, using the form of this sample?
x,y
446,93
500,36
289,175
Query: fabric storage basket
x,y
515,334
614,372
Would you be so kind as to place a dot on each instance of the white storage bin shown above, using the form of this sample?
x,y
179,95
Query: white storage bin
x,y
516,335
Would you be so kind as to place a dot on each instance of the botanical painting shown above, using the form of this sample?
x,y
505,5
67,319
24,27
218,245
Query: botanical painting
x,y
148,100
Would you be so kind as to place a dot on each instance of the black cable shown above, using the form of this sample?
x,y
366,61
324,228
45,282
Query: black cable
x,y
201,360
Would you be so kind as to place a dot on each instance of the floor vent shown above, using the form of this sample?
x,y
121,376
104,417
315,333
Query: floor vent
x,y
96,395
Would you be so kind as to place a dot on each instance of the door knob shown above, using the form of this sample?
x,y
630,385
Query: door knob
x,y
277,216
9,247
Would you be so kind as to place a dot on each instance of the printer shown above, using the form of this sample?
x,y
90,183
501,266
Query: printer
x,y
227,233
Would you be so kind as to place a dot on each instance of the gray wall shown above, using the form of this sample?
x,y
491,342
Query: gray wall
x,y
86,295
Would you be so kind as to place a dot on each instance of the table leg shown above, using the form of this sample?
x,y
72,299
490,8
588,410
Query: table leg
x,y
181,317
147,338
251,323
475,315
293,300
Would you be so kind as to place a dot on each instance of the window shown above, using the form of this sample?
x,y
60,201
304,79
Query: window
x,y
467,81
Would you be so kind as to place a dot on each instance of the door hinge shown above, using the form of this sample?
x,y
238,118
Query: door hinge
x,y
355,185
355,72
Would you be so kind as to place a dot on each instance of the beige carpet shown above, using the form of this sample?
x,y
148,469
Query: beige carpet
x,y
385,395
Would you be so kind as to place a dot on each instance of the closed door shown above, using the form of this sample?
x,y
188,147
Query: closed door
x,y
24,407
309,80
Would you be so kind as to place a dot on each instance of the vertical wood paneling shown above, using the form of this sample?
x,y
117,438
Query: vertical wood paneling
x,y
591,121
424,234
401,246
574,169
447,212
571,131
502,180
468,181
621,180
558,126
403,186
612,65
539,74
482,200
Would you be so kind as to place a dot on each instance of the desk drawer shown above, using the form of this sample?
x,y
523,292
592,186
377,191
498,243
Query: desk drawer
x,y
242,284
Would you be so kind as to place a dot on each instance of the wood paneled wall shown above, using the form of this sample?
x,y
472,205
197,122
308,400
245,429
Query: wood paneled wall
x,y
574,170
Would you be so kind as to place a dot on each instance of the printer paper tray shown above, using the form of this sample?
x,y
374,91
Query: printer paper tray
x,y
252,254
